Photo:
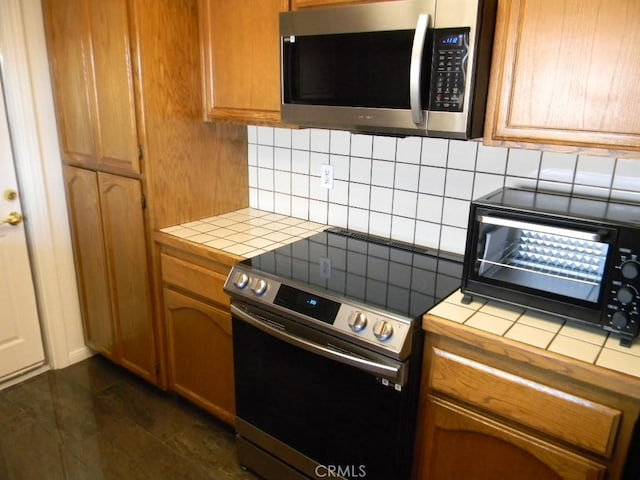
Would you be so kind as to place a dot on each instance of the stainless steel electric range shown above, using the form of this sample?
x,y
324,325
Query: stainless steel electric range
x,y
328,351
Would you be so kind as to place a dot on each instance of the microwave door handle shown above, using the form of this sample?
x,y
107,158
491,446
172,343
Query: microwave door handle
x,y
416,68
565,232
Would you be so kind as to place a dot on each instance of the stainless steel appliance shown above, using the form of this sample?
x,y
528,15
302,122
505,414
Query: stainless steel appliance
x,y
328,352
416,67
567,255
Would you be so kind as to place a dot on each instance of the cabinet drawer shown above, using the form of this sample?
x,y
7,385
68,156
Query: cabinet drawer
x,y
576,420
199,280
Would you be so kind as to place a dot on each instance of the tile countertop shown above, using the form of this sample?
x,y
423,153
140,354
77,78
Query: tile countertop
x,y
246,233
249,232
550,333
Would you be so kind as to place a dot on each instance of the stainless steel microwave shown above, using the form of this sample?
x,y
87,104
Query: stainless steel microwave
x,y
405,67
572,256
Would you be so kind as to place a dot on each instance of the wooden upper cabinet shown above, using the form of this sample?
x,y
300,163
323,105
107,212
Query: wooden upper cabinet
x,y
565,73
90,56
241,59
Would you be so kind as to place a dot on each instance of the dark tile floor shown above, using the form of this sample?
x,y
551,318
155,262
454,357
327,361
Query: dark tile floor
x,y
94,420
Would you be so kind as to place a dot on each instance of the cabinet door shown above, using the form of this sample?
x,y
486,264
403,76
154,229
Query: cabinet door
x,y
241,54
458,443
67,28
113,77
90,258
200,352
565,72
125,242
90,55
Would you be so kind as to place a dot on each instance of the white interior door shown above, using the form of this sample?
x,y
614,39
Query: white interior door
x,y
21,346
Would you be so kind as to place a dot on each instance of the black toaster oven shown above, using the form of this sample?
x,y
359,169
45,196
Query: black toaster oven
x,y
568,255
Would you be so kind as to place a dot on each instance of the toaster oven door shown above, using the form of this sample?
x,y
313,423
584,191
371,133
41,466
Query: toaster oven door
x,y
553,261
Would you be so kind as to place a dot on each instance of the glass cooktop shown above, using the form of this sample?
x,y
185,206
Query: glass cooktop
x,y
396,277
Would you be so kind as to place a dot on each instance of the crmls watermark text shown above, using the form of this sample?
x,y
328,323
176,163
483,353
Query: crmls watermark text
x,y
337,471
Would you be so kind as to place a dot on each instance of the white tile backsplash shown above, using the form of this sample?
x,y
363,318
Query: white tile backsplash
x,y
382,173
340,142
558,167
300,139
300,162
411,189
265,156
384,148
459,184
282,137
409,150
434,152
360,170
492,159
381,199
432,180
361,145
340,166
462,155
406,176
594,171
319,140
265,136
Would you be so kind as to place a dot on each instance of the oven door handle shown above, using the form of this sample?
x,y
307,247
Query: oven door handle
x,y
394,373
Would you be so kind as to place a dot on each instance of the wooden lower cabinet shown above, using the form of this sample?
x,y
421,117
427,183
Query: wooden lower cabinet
x,y
200,351
502,411
109,238
197,324
460,443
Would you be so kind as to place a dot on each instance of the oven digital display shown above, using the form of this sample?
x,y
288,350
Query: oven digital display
x,y
308,304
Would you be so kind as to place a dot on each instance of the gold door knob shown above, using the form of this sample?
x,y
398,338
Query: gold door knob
x,y
14,219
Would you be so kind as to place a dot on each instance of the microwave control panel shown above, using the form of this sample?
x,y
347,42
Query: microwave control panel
x,y
449,69
623,302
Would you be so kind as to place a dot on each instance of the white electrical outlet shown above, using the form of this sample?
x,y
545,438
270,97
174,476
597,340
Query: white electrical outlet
x,y
326,176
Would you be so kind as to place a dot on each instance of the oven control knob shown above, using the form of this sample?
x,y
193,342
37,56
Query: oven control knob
x,y
625,295
382,330
630,270
241,280
259,286
358,321
619,320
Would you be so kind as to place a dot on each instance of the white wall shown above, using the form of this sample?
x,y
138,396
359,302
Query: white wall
x,y
411,189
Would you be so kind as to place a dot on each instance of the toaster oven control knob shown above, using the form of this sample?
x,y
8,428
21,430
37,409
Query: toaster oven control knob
x,y
241,280
382,330
259,286
358,321
630,270
619,320
625,295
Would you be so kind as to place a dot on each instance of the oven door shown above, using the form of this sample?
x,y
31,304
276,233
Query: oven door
x,y
554,266
320,414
